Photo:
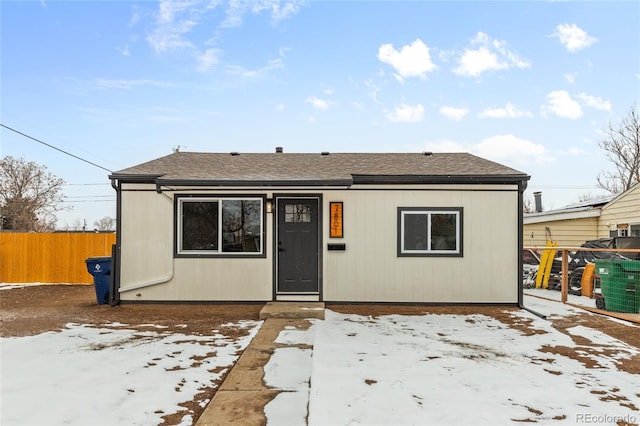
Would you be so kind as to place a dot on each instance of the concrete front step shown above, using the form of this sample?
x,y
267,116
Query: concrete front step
x,y
295,310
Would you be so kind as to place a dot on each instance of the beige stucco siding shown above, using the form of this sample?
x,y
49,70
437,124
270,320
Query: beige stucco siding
x,y
150,271
370,270
570,232
623,210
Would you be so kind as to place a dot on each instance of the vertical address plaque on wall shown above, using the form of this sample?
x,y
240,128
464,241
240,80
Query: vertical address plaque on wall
x,y
335,217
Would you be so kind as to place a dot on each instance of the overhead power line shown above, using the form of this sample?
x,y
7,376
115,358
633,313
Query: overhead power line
x,y
53,147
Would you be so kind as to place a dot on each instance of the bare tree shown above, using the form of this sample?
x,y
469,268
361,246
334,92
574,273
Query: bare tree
x,y
623,150
29,195
528,205
105,224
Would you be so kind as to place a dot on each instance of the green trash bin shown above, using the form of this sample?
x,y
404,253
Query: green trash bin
x,y
620,284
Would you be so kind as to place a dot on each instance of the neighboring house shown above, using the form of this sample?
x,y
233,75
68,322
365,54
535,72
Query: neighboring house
x,y
420,228
572,225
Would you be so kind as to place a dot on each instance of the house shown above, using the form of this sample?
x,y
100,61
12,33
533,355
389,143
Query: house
x,y
609,216
419,228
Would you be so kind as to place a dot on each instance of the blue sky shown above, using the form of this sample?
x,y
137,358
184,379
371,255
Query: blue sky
x,y
532,85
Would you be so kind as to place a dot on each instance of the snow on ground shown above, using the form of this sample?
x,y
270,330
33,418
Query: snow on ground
x,y
557,295
453,369
109,376
289,370
392,370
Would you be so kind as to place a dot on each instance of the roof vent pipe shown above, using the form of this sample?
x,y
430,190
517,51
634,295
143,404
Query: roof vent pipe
x,y
324,153
537,196
279,150
427,153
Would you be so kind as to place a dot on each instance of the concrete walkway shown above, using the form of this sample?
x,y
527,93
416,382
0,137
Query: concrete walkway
x,y
241,398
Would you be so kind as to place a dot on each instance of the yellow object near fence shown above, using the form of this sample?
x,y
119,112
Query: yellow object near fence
x,y
586,283
50,257
546,262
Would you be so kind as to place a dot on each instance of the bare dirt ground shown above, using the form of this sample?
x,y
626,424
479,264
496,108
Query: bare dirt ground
x,y
35,309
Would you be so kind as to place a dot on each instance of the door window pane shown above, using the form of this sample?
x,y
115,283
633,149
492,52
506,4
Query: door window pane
x,y
297,213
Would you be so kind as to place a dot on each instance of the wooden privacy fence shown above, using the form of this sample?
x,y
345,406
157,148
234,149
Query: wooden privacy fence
x,y
50,257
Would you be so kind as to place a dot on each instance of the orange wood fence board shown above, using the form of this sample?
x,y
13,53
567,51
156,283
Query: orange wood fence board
x,y
50,257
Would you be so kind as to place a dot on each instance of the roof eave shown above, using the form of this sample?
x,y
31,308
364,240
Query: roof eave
x,y
440,179
135,177
254,182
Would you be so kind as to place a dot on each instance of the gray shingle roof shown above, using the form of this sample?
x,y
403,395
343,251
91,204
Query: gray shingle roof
x,y
343,168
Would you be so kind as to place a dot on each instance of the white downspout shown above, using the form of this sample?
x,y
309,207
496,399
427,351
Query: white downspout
x,y
164,279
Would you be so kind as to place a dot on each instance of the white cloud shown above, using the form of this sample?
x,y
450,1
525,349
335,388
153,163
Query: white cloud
x,y
486,54
559,102
573,38
595,102
510,149
407,114
128,84
208,59
509,111
318,103
373,90
124,51
280,107
278,10
505,149
453,112
570,77
575,152
444,146
412,60
240,71
174,20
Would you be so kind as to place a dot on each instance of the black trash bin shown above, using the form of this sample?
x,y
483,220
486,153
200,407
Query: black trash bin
x,y
100,268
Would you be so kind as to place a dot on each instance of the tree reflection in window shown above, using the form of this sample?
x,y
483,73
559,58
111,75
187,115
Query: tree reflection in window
x,y
200,225
297,213
241,225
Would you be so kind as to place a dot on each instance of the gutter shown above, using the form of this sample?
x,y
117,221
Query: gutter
x,y
115,288
521,188
114,285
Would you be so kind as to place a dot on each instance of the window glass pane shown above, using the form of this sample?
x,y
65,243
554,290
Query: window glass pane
x,y
443,231
199,225
297,213
241,225
415,232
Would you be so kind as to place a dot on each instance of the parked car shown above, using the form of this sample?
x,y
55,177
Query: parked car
x,y
530,265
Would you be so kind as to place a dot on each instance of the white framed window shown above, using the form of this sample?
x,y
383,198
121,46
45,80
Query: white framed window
x,y
219,226
425,231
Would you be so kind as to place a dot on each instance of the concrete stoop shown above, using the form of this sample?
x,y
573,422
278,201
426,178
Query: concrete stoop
x,y
242,396
294,310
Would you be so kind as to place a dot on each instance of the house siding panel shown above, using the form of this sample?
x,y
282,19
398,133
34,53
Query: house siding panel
x,y
625,209
572,232
150,271
369,269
